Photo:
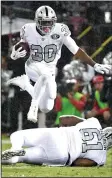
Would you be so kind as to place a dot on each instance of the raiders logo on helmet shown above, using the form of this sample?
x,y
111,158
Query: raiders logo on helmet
x,y
55,36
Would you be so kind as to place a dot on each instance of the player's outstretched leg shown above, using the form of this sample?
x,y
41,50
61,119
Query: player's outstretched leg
x,y
38,90
108,134
23,82
46,103
32,155
8,154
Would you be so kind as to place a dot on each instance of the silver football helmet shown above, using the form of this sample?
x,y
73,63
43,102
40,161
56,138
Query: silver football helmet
x,y
73,70
45,18
108,134
108,58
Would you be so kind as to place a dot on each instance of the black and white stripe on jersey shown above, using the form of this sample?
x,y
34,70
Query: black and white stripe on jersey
x,y
46,9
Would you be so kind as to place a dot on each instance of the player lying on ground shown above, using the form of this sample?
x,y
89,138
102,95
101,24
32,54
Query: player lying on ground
x,y
45,38
84,144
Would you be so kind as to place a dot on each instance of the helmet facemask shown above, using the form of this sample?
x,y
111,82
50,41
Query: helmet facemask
x,y
45,26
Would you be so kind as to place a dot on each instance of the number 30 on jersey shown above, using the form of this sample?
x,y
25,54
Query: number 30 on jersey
x,y
48,53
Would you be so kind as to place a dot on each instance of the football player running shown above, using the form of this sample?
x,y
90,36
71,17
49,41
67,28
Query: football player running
x,y
84,144
45,38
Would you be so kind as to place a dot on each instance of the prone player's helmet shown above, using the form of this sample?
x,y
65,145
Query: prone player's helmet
x,y
108,134
45,18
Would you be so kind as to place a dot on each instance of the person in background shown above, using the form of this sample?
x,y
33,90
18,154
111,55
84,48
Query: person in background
x,y
99,108
72,102
5,93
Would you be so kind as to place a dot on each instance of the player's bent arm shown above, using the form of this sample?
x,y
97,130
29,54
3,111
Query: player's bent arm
x,y
84,57
16,54
77,51
70,120
80,54
84,162
71,44
100,68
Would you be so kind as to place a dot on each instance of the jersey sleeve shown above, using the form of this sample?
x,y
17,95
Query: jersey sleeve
x,y
65,30
71,44
67,40
23,33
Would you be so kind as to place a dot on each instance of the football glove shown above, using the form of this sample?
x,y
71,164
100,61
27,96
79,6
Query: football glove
x,y
17,53
102,68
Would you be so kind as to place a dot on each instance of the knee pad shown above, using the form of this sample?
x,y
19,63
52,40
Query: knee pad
x,y
47,107
44,110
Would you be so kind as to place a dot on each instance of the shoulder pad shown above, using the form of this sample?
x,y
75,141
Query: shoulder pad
x,y
65,30
62,29
24,30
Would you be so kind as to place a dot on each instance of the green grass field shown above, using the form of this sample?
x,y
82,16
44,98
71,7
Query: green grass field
x,y
26,170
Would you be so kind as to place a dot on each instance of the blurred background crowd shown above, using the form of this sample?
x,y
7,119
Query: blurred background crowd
x,y
81,91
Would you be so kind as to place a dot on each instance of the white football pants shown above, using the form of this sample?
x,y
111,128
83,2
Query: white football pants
x,y
45,146
45,88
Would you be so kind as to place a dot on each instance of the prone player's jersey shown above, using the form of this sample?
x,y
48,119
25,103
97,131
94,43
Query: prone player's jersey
x,y
47,49
86,140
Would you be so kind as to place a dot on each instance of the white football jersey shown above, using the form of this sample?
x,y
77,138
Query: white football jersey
x,y
86,140
47,49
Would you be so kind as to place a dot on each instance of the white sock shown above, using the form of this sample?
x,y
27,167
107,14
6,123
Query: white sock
x,y
12,160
